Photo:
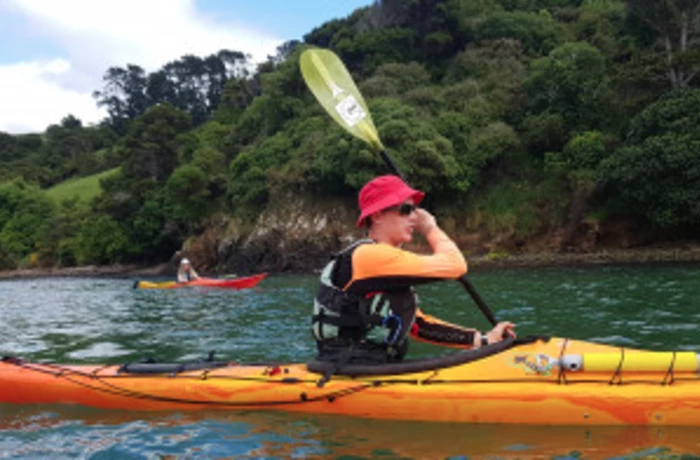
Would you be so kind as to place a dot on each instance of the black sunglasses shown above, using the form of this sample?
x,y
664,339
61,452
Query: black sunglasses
x,y
404,210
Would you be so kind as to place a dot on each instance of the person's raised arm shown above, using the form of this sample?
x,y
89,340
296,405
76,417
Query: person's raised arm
x,y
442,245
401,267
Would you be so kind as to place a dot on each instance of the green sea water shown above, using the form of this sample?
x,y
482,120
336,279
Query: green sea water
x,y
100,320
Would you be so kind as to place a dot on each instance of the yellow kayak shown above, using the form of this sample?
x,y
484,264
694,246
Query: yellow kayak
x,y
544,381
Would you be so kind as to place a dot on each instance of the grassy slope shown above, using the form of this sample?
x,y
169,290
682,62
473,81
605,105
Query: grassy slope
x,y
85,188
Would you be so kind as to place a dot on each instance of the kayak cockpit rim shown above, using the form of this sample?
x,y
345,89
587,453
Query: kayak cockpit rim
x,y
328,368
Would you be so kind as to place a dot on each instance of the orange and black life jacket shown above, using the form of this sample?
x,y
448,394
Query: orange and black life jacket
x,y
383,316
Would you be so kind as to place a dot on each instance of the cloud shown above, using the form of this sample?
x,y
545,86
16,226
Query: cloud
x,y
31,98
95,35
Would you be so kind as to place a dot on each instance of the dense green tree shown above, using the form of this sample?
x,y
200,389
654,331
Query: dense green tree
x,y
58,243
192,84
571,82
433,22
658,171
195,85
17,147
499,62
102,241
187,193
395,79
151,234
135,199
492,144
69,147
323,35
151,146
495,71
537,32
237,95
248,171
62,151
579,162
586,150
24,213
544,132
124,95
280,100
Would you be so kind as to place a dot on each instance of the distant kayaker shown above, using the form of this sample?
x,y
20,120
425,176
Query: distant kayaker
x,y
186,273
365,308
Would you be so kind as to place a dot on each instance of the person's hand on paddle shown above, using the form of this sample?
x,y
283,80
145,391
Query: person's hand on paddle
x,y
500,331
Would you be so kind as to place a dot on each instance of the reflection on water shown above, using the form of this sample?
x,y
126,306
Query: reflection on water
x,y
105,320
70,432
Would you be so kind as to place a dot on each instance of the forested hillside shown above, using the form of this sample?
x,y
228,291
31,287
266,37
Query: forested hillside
x,y
523,120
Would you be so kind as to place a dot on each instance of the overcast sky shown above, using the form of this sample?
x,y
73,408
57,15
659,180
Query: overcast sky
x,y
55,52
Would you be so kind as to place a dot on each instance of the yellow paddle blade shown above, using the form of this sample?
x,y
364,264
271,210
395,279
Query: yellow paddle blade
x,y
331,83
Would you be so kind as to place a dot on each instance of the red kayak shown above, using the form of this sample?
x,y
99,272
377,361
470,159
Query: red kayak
x,y
234,283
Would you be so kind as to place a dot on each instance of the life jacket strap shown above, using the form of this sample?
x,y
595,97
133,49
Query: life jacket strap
x,y
347,320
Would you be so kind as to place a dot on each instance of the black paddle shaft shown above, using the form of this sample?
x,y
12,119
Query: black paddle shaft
x,y
462,279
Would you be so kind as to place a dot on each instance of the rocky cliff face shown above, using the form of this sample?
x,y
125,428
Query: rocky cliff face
x,y
294,233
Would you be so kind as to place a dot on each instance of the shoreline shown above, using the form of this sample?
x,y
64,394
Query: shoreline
x,y
107,271
662,255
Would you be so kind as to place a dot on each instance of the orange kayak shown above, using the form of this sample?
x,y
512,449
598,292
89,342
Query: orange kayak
x,y
234,283
544,381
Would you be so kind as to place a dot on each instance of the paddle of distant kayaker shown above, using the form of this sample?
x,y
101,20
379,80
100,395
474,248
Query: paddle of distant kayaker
x,y
365,308
186,273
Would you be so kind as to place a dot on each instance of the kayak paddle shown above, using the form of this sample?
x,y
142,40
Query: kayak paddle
x,y
331,83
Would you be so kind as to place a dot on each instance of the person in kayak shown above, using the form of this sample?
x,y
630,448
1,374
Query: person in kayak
x,y
365,308
186,273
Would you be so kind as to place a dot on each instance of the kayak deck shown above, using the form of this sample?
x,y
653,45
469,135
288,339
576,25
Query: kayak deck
x,y
518,385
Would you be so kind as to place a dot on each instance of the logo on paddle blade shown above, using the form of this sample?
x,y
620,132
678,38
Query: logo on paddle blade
x,y
337,91
350,111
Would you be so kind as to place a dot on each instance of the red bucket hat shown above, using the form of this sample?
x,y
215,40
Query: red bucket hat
x,y
384,192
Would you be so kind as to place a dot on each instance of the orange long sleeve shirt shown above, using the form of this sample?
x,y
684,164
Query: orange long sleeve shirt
x,y
377,267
